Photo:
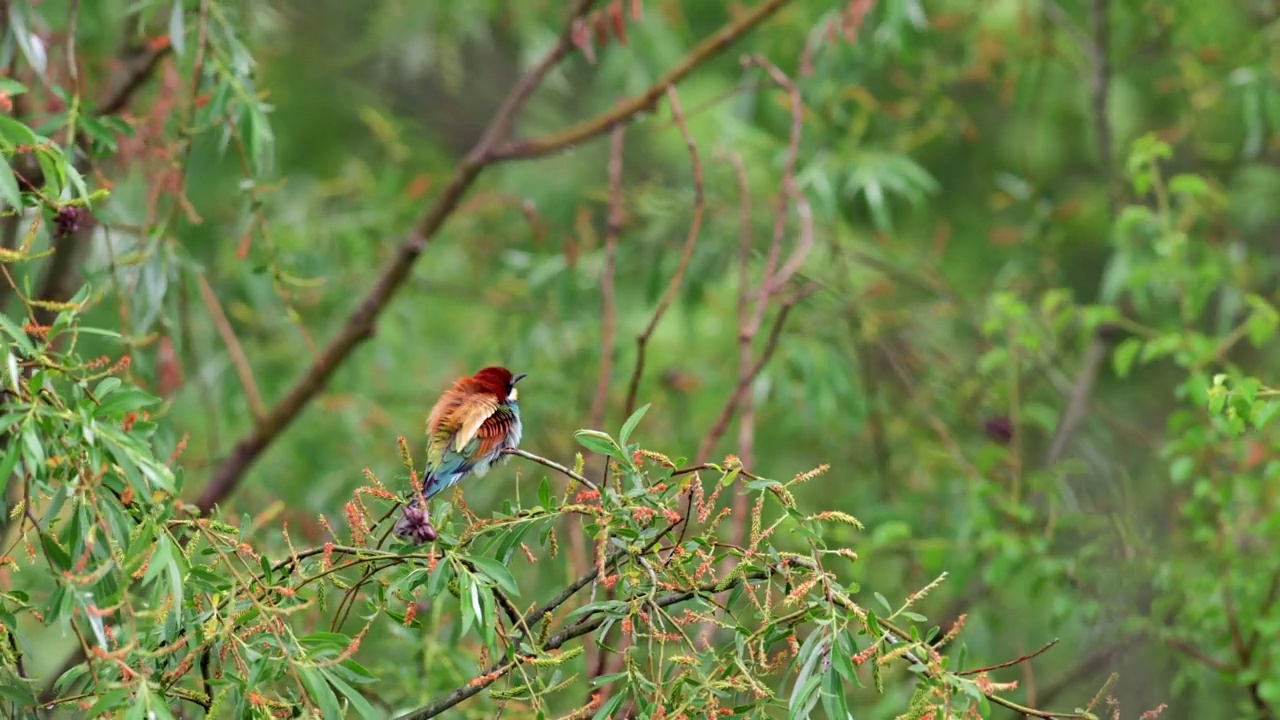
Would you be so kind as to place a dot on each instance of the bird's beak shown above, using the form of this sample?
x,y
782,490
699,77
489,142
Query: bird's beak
x,y
517,378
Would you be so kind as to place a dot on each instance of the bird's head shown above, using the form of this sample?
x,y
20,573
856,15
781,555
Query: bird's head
x,y
498,381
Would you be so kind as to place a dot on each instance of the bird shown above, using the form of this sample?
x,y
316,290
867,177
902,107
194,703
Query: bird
x,y
469,427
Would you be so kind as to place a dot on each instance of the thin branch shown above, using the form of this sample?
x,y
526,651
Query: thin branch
x,y
599,464
587,129
551,464
1010,663
608,303
238,358
1089,666
773,280
673,286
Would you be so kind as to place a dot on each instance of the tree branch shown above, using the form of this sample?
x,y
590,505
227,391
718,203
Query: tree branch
x,y
695,229
600,124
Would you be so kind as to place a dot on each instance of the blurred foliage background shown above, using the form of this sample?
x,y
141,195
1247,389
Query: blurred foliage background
x,y
974,170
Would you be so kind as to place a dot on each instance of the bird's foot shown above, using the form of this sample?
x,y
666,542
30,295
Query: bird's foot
x,y
414,525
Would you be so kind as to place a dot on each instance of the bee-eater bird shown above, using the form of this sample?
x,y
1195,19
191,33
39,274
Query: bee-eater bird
x,y
469,427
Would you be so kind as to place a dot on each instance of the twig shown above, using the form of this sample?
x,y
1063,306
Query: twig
x,y
599,464
1099,660
551,464
587,129
608,304
673,286
238,358
773,280
1010,663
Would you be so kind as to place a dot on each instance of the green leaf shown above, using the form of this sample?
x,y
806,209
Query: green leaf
x,y
177,27
11,87
9,191
1124,355
1193,185
599,442
497,572
631,423
1263,414
353,696
319,690
19,337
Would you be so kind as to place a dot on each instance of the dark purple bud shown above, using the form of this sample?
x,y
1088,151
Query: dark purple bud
x,y
67,220
999,429
414,526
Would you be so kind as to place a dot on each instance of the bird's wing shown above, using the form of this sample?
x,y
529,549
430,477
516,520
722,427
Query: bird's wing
x,y
472,416
449,459
495,428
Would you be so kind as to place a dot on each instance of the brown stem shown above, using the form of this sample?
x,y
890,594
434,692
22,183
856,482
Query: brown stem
x,y
608,323
238,358
673,286
587,129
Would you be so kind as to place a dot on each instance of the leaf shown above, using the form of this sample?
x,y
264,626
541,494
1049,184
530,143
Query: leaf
x,y
544,493
319,690
498,573
1124,355
105,387
599,442
9,191
177,28
1263,414
631,424
353,696
19,337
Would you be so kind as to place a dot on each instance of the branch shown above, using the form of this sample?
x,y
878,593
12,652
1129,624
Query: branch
x,y
1010,663
608,304
238,358
695,229
600,124
551,464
